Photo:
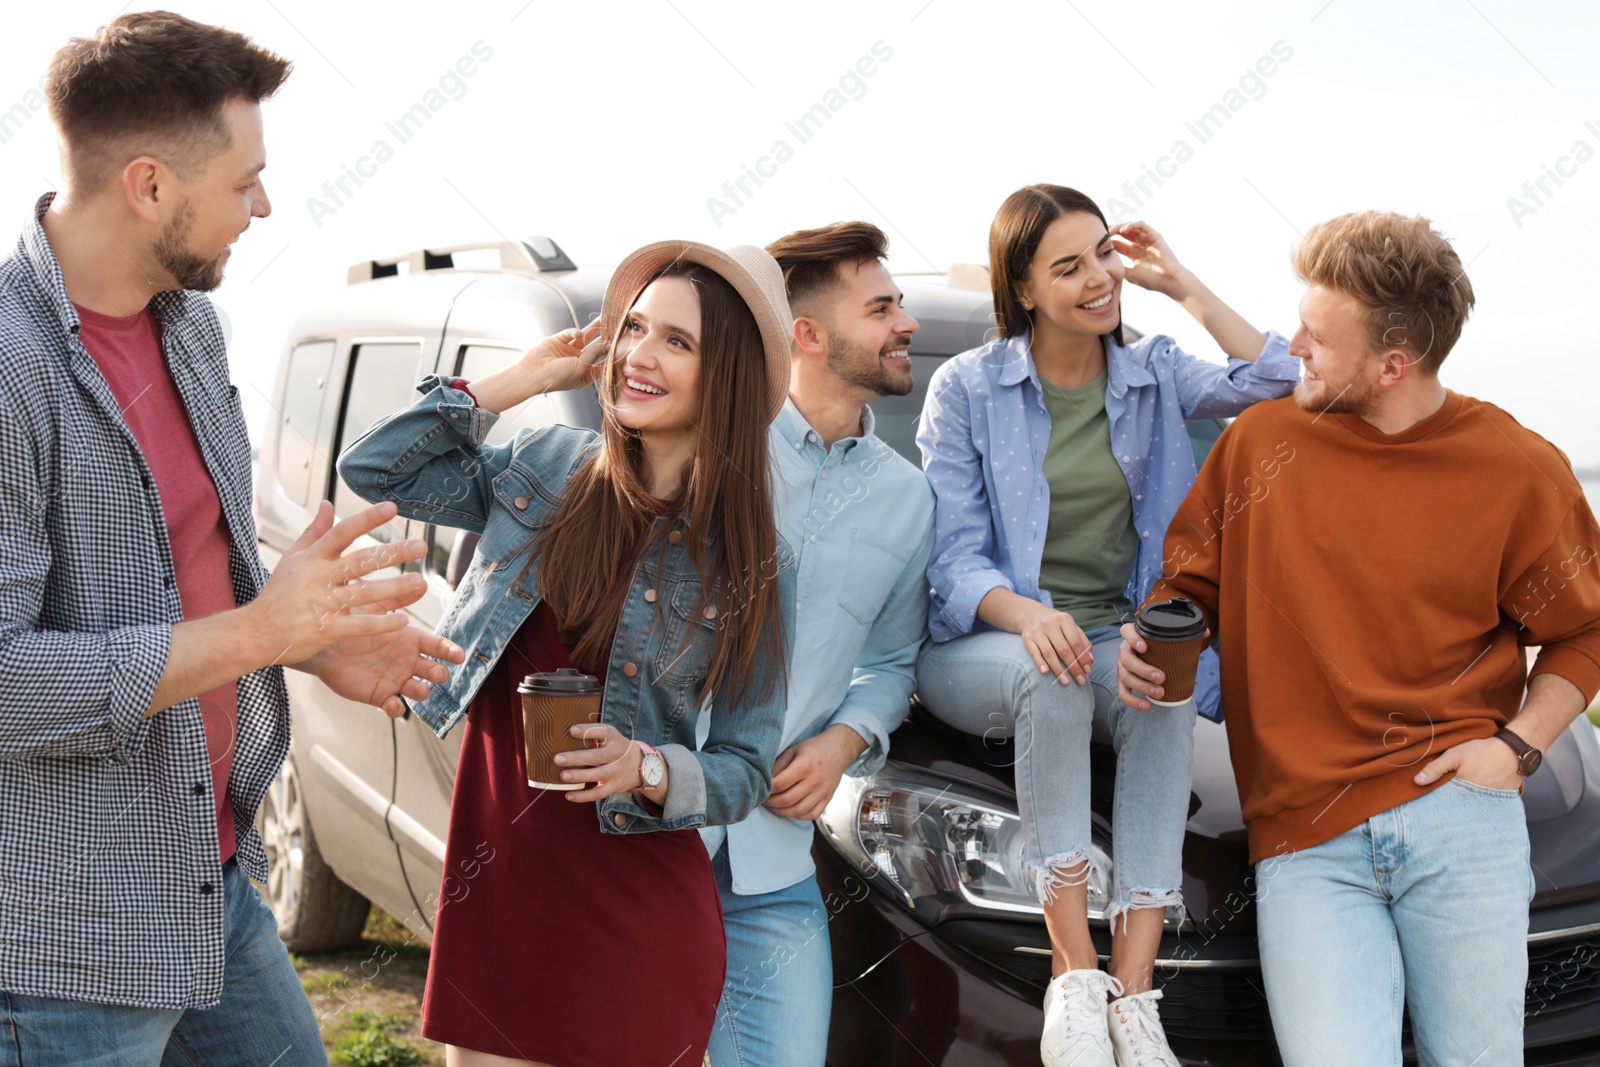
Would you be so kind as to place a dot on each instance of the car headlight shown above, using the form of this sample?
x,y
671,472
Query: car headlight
x,y
948,849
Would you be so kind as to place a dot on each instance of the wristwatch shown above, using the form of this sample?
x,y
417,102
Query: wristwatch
x,y
653,768
1528,757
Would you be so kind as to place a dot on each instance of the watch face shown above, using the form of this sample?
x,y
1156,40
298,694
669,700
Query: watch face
x,y
1531,760
651,770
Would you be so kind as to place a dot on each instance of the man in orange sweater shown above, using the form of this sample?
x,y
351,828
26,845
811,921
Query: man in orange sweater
x,y
1374,555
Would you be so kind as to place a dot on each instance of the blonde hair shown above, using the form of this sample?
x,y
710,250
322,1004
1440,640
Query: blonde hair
x,y
1407,280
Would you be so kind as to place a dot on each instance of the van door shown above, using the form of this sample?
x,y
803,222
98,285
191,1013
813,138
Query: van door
x,y
344,750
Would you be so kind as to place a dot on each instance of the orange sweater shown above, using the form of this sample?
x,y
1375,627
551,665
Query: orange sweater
x,y
1372,595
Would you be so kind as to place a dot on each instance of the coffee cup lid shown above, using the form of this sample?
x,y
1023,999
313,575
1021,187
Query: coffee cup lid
x,y
1177,619
567,681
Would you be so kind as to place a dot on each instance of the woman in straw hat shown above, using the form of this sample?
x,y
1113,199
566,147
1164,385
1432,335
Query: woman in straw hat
x,y
645,555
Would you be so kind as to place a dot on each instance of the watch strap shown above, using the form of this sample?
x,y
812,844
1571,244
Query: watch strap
x,y
645,752
1526,753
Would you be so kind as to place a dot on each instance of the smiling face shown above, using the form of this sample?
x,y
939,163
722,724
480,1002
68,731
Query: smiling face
x,y
1341,371
658,361
215,205
1074,283
869,332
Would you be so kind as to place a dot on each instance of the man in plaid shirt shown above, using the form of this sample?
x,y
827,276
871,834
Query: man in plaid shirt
x,y
142,705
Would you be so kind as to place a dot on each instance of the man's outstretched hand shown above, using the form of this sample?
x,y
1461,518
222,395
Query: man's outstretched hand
x,y
379,669
376,656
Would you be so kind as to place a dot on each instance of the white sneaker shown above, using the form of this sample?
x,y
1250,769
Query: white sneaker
x,y
1075,1020
1136,1033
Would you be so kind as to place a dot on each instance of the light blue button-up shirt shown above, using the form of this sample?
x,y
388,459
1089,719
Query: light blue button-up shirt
x,y
984,433
861,519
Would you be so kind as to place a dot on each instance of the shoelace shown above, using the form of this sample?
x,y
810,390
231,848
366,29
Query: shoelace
x,y
1084,1003
1144,1023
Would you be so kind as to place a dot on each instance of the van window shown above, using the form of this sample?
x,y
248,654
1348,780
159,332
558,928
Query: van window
x,y
447,544
382,380
299,464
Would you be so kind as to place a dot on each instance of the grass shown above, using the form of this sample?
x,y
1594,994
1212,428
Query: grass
x,y
322,983
1594,715
370,1042
368,998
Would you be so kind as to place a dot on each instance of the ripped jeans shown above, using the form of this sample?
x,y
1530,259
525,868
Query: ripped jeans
x,y
987,684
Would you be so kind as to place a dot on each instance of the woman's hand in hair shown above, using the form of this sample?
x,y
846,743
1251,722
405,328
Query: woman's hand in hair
x,y
570,359
1151,264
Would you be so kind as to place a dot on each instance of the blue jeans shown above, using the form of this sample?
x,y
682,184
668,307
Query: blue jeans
x,y
263,1019
778,994
1424,905
987,684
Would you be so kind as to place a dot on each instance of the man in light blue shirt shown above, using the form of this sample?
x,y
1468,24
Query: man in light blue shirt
x,y
860,517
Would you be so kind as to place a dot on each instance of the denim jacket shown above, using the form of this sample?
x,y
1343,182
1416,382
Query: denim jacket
x,y
431,461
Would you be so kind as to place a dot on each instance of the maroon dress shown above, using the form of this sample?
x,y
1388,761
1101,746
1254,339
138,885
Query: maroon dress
x,y
555,942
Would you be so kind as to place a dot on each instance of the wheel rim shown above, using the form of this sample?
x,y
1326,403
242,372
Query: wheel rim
x,y
283,820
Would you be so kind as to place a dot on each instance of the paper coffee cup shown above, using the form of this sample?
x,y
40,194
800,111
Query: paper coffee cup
x,y
1175,632
552,704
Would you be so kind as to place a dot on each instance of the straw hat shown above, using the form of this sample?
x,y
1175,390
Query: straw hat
x,y
752,272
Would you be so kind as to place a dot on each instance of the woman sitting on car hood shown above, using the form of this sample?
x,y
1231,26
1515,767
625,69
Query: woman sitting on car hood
x,y
647,556
1057,456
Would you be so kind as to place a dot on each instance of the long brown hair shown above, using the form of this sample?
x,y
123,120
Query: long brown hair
x,y
1014,239
601,532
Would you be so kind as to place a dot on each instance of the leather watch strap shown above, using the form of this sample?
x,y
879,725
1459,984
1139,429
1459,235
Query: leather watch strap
x,y
1528,758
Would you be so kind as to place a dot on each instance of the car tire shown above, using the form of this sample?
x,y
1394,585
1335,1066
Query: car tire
x,y
316,912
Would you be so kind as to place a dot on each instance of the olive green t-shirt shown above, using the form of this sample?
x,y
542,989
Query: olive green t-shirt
x,y
1090,545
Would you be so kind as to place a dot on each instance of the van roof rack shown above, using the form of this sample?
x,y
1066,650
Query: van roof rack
x,y
531,255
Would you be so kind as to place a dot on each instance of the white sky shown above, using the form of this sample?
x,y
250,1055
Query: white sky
x,y
609,125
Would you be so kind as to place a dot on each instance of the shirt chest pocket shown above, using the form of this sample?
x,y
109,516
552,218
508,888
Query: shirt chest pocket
x,y
690,631
869,575
513,518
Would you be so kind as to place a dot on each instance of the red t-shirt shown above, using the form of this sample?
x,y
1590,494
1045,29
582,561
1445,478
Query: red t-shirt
x,y
128,352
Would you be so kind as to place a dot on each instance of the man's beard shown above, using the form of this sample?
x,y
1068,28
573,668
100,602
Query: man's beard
x,y
185,268
1356,397
854,365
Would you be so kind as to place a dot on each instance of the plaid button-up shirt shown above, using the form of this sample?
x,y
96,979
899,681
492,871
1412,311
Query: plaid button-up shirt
x,y
110,881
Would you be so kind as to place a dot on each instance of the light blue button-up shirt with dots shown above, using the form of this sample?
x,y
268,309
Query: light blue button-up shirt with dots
x,y
984,432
